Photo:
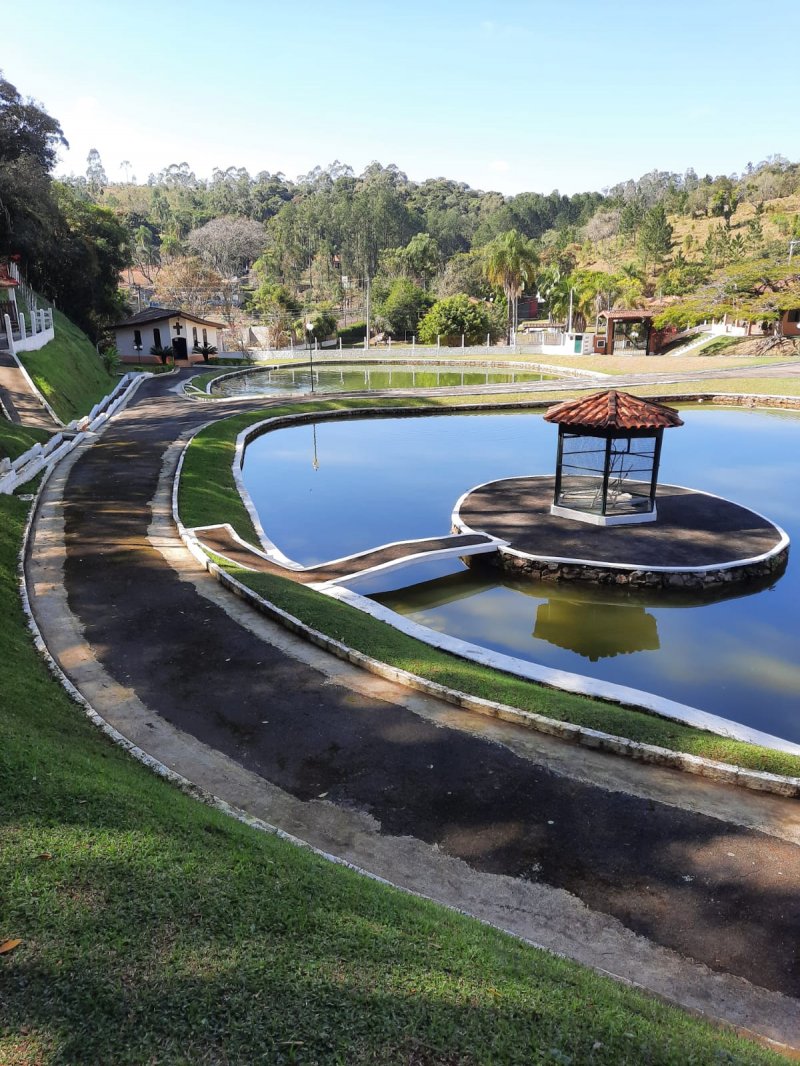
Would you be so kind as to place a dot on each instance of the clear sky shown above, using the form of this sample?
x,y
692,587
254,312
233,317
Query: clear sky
x,y
524,95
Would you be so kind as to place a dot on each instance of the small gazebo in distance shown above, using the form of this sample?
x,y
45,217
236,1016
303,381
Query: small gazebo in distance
x,y
609,449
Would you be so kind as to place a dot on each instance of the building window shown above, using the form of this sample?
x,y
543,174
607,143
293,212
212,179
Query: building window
x,y
194,336
156,338
137,340
205,336
794,315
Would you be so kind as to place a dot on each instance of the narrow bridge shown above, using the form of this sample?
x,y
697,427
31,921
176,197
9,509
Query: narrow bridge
x,y
222,540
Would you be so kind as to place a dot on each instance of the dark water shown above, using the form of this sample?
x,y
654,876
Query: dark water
x,y
358,377
393,479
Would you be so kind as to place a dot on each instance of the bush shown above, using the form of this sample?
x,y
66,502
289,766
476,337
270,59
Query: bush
x,y
353,334
448,319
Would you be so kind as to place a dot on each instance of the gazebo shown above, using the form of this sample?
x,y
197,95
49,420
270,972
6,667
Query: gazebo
x,y
609,449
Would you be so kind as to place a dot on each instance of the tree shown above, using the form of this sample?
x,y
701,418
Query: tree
x,y
26,130
421,258
403,306
29,138
464,273
655,236
510,262
453,317
189,285
228,245
278,309
95,172
89,248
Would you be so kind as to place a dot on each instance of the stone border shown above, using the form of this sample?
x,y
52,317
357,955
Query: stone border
x,y
756,780
564,568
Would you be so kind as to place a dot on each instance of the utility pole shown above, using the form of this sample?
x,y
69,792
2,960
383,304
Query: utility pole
x,y
366,338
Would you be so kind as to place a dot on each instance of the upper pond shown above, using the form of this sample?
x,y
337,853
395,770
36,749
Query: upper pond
x,y
359,377
336,488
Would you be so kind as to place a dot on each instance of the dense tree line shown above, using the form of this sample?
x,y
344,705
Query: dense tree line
x,y
313,245
71,248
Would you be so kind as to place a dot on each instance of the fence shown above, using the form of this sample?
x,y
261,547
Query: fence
x,y
35,459
30,333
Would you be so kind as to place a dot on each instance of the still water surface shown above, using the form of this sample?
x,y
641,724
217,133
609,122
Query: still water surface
x,y
358,377
392,479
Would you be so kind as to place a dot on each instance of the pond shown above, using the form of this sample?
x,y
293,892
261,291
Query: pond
x,y
335,488
370,377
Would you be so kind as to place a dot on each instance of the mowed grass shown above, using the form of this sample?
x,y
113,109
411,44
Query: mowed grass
x,y
68,371
154,929
16,439
208,495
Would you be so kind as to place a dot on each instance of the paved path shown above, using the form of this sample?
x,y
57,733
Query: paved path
x,y
703,872
218,539
22,404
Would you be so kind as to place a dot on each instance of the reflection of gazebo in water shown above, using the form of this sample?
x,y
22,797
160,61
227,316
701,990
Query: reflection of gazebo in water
x,y
596,630
609,448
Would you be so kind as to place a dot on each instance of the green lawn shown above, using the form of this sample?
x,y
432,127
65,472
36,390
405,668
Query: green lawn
x,y
16,439
68,371
208,495
156,930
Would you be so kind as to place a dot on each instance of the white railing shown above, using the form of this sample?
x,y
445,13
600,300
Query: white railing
x,y
35,331
35,459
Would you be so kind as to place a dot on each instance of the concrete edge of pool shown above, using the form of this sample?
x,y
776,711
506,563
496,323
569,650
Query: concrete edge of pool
x,y
368,359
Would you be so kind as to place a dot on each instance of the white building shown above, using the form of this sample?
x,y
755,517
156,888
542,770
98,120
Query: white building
x,y
162,327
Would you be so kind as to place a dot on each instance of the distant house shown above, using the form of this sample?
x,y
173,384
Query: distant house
x,y
628,333
162,327
790,323
8,296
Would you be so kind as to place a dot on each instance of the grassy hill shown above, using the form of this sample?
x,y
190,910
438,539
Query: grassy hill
x,y
68,371
690,234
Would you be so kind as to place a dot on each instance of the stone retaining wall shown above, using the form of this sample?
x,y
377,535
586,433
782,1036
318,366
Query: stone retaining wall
x,y
541,570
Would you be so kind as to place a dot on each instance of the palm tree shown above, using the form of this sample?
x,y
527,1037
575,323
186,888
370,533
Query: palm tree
x,y
205,350
510,262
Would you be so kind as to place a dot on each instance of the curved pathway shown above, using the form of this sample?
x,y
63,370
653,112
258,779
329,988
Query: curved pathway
x,y
676,883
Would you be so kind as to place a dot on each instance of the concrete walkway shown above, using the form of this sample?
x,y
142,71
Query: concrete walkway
x,y
20,401
678,884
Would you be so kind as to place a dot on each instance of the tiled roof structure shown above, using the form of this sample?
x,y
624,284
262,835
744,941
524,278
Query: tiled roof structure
x,y
6,281
614,410
155,314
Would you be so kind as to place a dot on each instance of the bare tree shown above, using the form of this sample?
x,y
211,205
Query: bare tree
x,y
228,245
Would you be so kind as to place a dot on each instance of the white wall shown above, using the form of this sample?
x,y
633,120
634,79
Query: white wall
x,y
166,326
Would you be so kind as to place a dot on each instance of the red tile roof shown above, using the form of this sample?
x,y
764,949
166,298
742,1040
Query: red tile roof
x,y
614,410
6,281
637,315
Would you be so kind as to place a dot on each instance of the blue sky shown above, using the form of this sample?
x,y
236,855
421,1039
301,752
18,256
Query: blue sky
x,y
518,96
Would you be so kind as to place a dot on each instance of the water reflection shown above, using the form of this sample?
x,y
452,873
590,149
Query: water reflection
x,y
369,377
596,630
593,622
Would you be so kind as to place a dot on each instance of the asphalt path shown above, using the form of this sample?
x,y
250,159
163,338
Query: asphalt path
x,y
714,891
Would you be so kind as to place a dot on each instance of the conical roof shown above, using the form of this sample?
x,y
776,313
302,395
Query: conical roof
x,y
614,410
